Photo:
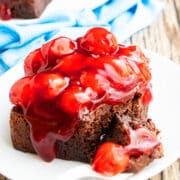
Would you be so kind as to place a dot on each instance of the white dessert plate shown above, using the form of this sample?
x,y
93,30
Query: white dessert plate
x,y
164,110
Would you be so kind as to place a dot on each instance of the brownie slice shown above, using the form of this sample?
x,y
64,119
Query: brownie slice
x,y
25,8
105,123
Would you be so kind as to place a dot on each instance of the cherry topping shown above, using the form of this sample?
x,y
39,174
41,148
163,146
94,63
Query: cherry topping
x,y
20,92
99,41
62,46
34,63
94,81
111,158
64,77
147,96
48,85
71,64
5,12
127,50
73,99
142,142
57,48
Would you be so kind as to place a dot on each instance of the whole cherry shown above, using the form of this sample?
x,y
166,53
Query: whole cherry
x,y
98,41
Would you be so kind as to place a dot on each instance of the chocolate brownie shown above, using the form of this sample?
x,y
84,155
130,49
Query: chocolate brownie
x,y
105,123
25,9
86,100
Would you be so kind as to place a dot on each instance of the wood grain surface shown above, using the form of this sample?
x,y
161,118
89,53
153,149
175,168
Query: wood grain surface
x,y
163,37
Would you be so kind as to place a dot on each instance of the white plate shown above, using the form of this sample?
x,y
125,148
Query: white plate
x,y
164,110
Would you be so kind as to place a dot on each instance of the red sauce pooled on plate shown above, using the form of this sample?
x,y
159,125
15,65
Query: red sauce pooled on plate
x,y
63,77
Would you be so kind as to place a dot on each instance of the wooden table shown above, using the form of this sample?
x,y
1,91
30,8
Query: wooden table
x,y
163,37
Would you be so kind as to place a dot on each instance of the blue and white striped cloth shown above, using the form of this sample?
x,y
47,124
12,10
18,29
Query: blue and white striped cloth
x,y
122,17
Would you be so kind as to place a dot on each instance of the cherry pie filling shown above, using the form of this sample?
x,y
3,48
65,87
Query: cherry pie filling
x,y
65,76
5,11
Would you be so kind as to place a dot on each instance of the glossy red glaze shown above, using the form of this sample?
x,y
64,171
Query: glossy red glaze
x,y
5,12
147,96
57,48
34,63
99,41
64,76
111,158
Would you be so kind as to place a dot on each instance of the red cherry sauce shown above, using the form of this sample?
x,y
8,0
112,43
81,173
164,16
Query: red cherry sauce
x,y
111,158
66,76
142,141
5,11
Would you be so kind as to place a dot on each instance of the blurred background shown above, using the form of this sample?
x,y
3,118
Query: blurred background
x,y
162,36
